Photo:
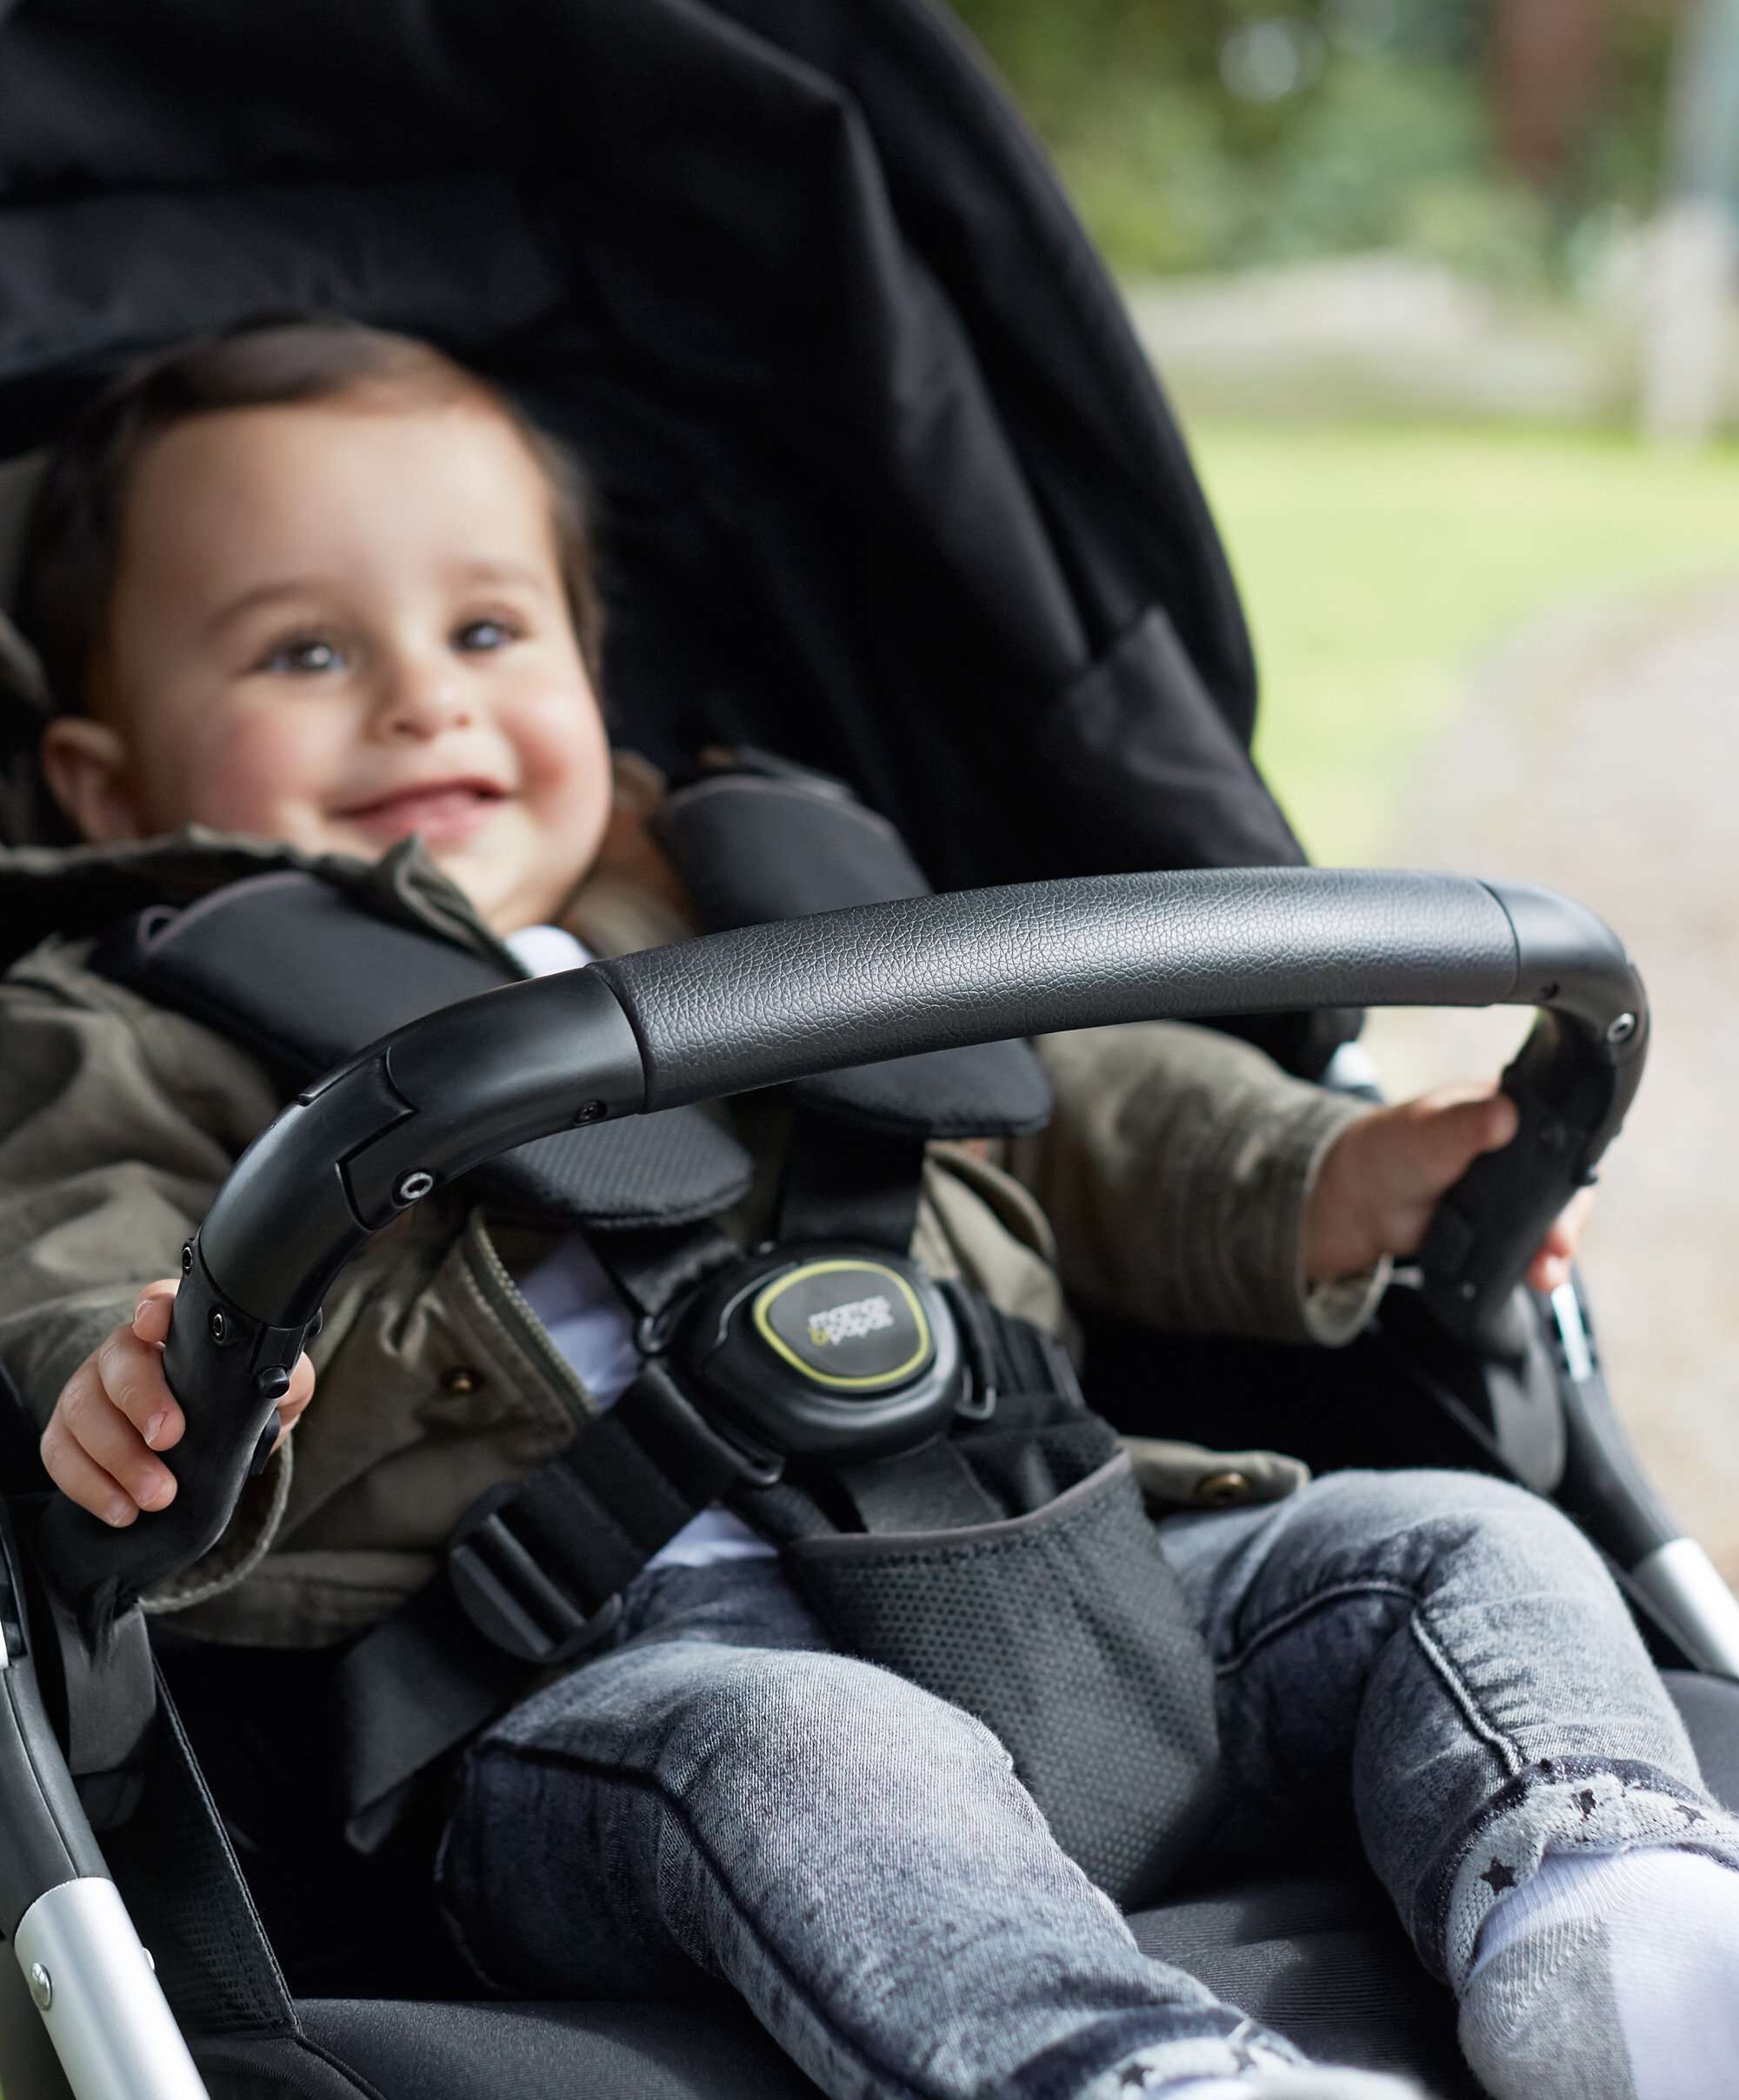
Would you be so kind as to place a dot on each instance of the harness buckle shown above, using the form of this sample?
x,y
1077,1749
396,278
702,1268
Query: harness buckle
x,y
513,1601
828,1349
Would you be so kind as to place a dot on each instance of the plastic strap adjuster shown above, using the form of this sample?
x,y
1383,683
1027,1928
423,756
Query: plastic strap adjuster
x,y
511,1598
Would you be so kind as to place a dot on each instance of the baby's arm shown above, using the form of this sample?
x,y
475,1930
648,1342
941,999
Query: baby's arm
x,y
1175,1171
119,1123
116,1410
1382,1178
1195,1187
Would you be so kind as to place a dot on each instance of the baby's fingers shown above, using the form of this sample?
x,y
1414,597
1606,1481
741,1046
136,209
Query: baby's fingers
x,y
151,1315
1551,1265
1447,1131
142,1416
300,1392
160,1420
122,1380
81,1480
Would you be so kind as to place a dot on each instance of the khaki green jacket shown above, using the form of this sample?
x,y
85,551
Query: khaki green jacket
x,y
1169,1187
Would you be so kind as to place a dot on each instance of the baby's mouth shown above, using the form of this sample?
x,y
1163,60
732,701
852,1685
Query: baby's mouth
x,y
446,813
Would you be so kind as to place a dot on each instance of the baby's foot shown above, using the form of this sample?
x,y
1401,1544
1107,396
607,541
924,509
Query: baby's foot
x,y
1611,1977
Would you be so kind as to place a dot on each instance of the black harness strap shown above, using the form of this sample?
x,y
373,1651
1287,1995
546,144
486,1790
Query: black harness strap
x,y
845,1181
769,840
937,1487
653,1267
929,1490
1024,1358
532,1577
422,1681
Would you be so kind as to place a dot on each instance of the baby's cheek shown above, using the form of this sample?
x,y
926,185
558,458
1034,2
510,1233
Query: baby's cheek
x,y
258,775
562,746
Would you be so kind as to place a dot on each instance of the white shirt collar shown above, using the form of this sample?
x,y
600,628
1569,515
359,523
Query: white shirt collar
x,y
543,949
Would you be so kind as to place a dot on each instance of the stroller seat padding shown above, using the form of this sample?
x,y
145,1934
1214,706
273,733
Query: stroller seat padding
x,y
1320,1958
649,2050
1321,1961
1710,1708
1317,1959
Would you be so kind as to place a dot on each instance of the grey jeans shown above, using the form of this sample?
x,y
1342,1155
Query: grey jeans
x,y
1441,1652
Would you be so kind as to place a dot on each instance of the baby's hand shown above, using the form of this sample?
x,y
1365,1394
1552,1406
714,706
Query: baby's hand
x,y
1382,1177
116,1410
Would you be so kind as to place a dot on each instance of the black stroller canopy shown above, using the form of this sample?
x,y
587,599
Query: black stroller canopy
x,y
889,485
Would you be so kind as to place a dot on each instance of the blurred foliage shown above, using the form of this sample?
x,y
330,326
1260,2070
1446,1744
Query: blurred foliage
x,y
1200,134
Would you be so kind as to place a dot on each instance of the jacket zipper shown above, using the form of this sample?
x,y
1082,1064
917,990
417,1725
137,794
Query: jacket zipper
x,y
513,1309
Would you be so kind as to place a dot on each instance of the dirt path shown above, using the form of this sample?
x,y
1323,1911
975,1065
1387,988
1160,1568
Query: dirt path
x,y
1600,754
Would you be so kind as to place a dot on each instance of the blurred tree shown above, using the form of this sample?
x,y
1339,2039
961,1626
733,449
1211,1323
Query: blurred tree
x,y
1211,134
1550,70
1693,341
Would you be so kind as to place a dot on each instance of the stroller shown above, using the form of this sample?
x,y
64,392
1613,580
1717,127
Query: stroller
x,y
890,491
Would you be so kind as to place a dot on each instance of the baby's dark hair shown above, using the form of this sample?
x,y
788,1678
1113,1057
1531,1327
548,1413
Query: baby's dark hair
x,y
72,533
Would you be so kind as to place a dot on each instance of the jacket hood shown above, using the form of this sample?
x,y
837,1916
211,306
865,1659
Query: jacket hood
x,y
77,892
628,898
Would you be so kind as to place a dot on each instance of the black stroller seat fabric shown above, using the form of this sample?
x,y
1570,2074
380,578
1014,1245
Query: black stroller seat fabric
x,y
1309,1946
1318,1956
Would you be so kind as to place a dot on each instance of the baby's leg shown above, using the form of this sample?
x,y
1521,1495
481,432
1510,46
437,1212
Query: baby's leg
x,y
854,1856
1453,1649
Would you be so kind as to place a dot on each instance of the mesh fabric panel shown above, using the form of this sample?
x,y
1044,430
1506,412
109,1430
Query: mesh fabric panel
x,y
1067,1633
669,1169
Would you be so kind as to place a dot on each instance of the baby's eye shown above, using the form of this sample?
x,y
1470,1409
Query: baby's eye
x,y
303,653
497,633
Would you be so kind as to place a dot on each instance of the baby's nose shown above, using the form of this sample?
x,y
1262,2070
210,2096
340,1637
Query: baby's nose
x,y
418,700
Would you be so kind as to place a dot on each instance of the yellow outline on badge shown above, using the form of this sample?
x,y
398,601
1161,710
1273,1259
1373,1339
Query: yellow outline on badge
x,y
781,1347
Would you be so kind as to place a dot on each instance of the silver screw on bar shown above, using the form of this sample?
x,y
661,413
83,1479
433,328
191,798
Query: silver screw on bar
x,y
413,1187
42,1986
1623,1029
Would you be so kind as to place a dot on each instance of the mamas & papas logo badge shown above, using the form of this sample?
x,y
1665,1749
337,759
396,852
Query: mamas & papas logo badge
x,y
846,1322
851,1324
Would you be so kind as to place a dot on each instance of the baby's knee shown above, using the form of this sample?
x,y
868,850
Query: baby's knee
x,y
808,1718
1426,1513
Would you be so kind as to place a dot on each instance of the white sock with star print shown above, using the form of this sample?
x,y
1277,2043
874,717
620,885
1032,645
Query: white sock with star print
x,y
1153,2074
1609,1977
1312,2082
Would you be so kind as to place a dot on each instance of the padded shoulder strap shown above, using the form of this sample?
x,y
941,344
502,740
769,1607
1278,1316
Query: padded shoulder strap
x,y
304,976
770,840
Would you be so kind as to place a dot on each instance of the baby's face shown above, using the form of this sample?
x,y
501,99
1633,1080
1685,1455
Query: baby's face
x,y
337,623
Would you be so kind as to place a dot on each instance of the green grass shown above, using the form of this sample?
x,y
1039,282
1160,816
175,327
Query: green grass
x,y
1379,565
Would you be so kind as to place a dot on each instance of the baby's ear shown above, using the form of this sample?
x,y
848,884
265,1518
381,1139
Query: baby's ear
x,y
86,765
